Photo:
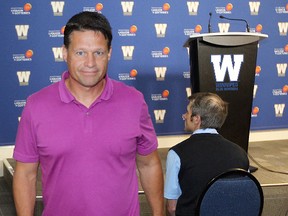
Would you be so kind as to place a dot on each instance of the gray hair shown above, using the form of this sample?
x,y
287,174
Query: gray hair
x,y
211,109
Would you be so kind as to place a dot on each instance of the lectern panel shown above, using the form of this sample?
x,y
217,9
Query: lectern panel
x,y
228,71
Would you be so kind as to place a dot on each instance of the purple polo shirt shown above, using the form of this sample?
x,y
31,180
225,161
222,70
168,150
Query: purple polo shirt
x,y
87,155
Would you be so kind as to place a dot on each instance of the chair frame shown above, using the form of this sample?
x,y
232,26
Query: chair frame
x,y
237,172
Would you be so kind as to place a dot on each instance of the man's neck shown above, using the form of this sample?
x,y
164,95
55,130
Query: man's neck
x,y
85,95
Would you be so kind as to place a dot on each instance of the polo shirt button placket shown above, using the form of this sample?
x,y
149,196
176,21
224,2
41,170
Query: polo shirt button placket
x,y
88,122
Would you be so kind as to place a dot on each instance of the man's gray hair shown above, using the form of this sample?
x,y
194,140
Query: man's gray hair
x,y
211,109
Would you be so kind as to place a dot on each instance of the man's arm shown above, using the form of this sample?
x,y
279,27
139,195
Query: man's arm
x,y
24,188
171,207
151,177
172,189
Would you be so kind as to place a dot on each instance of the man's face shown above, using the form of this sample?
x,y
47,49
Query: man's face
x,y
87,58
187,118
192,123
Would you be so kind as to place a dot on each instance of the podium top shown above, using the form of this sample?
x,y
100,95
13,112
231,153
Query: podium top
x,y
227,39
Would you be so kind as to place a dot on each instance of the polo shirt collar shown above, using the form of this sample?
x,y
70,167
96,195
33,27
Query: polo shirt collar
x,y
67,97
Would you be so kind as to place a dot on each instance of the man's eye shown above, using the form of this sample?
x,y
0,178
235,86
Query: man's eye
x,y
80,53
99,53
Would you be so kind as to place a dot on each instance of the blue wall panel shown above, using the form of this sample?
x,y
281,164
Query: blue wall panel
x,y
32,36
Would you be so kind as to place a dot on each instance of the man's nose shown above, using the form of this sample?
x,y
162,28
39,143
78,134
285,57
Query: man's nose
x,y
184,116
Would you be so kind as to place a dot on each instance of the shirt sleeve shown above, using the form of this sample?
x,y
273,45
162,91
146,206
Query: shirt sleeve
x,y
147,142
25,149
172,188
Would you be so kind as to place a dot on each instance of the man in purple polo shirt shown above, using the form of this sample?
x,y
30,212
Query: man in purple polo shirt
x,y
89,134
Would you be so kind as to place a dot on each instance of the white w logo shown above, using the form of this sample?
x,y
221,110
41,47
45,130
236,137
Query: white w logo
x,y
223,27
283,26
57,7
188,92
160,29
281,68
159,115
255,90
127,52
22,31
23,77
127,7
160,72
254,8
279,109
227,64
192,7
57,51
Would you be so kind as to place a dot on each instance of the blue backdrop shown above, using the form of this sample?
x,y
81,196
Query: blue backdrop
x,y
148,53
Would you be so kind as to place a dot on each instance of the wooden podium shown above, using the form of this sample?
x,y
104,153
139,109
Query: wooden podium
x,y
225,63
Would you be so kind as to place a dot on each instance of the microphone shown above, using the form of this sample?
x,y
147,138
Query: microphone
x,y
209,23
247,26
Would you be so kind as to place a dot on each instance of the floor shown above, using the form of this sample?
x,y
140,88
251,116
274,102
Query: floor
x,y
6,199
270,158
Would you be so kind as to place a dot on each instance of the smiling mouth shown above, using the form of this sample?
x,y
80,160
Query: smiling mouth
x,y
86,72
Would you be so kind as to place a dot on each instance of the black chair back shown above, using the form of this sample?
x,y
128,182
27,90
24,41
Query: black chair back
x,y
235,192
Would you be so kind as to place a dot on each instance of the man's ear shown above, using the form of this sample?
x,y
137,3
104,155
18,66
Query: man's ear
x,y
109,53
196,118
